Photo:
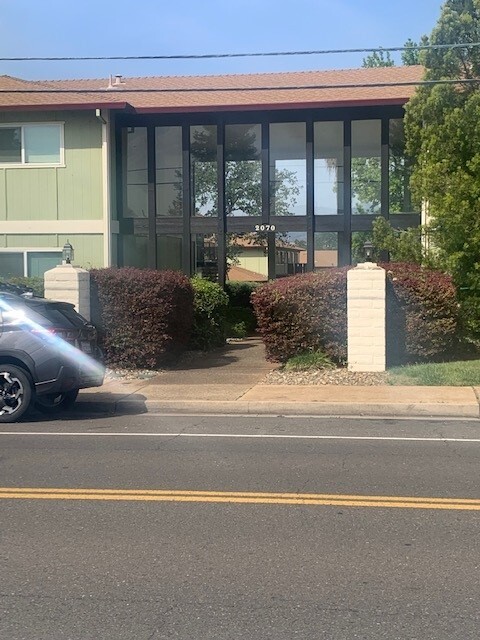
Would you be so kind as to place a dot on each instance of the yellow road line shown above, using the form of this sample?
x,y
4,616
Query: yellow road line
x,y
313,499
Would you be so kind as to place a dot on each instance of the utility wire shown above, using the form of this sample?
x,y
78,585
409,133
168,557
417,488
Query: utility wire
x,y
125,89
267,54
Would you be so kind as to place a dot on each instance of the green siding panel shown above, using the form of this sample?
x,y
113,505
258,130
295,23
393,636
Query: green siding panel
x,y
31,194
88,249
72,192
80,182
32,241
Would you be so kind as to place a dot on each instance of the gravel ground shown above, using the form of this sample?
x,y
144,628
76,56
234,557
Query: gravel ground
x,y
325,376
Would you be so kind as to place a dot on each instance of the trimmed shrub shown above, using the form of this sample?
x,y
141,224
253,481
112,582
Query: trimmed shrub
x,y
33,284
304,313
239,293
428,301
210,306
308,313
144,316
240,309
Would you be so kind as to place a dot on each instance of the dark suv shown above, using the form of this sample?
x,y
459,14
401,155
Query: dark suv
x,y
47,353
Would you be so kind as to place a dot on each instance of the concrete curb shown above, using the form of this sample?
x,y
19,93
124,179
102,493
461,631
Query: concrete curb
x,y
410,410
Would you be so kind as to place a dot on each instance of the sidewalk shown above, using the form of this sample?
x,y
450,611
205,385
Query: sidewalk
x,y
230,381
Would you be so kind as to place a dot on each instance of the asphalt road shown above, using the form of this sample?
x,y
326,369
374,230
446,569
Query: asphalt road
x,y
197,527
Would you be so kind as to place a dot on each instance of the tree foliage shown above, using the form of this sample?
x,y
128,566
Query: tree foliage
x,y
378,58
443,134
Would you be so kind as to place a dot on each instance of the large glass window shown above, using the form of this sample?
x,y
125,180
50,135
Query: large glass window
x,y
204,248
366,167
169,252
288,169
203,170
399,169
42,144
135,173
135,251
168,163
290,253
243,170
326,250
31,144
328,168
247,257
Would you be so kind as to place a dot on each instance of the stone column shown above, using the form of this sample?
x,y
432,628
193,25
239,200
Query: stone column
x,y
69,284
366,304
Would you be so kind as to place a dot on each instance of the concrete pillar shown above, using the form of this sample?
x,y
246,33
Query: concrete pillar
x,y
69,284
366,305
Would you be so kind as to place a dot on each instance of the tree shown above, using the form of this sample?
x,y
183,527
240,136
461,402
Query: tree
x,y
378,58
443,135
243,177
412,55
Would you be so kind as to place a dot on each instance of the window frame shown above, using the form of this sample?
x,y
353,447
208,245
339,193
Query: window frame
x,y
25,252
34,165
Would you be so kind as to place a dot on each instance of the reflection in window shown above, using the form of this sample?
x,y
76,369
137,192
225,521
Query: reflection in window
x,y
203,168
168,163
247,257
243,170
288,169
366,167
10,144
290,253
135,174
326,249
204,249
11,265
135,251
169,252
399,170
328,168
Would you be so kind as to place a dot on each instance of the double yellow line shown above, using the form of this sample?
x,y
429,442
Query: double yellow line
x,y
236,497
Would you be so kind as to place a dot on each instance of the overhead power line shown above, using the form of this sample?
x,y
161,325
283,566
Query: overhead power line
x,y
256,54
124,88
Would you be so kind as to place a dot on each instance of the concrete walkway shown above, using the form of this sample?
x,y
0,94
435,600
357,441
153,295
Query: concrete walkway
x,y
229,380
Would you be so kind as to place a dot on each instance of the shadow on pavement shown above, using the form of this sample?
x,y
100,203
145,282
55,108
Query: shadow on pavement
x,y
109,404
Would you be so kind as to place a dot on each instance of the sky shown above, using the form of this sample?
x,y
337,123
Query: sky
x,y
175,27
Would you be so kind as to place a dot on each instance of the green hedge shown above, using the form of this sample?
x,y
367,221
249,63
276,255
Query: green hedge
x,y
210,307
143,316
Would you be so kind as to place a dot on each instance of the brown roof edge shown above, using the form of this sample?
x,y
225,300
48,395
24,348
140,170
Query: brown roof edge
x,y
66,107
280,106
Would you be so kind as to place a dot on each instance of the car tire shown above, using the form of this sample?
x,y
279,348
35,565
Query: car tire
x,y
16,393
56,402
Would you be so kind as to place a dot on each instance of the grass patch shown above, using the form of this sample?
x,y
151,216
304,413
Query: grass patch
x,y
464,373
310,360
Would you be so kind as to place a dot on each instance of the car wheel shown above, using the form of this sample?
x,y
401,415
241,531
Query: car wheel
x,y
15,393
55,402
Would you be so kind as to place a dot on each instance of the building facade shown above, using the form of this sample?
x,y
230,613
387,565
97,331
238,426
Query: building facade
x,y
271,174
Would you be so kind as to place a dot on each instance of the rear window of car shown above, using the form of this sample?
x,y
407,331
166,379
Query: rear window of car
x,y
51,315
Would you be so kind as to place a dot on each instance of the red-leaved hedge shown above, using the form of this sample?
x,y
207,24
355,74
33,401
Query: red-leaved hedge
x,y
428,302
303,313
143,316
308,312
